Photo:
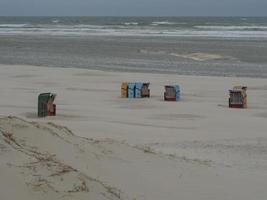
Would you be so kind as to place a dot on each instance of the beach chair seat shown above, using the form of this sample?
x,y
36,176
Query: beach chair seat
x,y
124,89
238,97
138,88
145,91
46,106
131,90
172,93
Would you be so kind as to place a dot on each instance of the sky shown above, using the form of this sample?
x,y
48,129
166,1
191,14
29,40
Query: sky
x,y
133,7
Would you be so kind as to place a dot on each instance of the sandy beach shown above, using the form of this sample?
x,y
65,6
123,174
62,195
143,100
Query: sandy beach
x,y
101,146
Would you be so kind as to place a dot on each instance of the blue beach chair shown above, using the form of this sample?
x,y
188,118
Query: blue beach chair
x,y
131,90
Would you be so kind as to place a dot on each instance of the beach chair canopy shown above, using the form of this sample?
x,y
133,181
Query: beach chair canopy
x,y
44,97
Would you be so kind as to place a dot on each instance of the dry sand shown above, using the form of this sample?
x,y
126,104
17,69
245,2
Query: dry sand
x,y
130,149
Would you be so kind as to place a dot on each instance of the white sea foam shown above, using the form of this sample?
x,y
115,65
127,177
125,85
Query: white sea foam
x,y
12,25
131,23
162,23
263,28
85,29
55,20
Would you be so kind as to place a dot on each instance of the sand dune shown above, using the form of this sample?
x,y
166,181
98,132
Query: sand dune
x,y
47,161
33,155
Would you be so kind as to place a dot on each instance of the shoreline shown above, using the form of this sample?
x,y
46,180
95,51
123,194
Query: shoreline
x,y
191,37
135,71
132,72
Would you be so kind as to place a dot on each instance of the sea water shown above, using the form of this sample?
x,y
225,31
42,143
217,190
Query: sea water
x,y
253,27
219,46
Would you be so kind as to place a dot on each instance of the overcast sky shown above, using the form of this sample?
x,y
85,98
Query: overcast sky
x,y
133,7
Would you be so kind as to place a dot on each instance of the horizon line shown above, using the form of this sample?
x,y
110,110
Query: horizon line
x,y
230,16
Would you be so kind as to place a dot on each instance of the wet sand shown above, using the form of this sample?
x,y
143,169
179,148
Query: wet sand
x,y
209,56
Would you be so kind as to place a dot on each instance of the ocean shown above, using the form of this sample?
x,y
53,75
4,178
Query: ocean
x,y
252,27
213,46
